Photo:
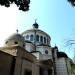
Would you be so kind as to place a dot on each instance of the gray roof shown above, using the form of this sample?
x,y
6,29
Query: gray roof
x,y
37,30
61,54
16,36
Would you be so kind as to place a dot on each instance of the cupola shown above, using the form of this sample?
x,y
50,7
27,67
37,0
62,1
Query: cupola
x,y
35,25
15,39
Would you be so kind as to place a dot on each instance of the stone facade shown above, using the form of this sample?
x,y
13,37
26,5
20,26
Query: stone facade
x,y
31,53
5,63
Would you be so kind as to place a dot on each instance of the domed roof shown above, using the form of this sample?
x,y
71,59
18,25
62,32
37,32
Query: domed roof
x,y
61,54
15,39
37,30
37,36
16,36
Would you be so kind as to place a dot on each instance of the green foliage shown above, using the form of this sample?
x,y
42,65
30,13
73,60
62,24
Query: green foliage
x,y
21,4
72,2
73,68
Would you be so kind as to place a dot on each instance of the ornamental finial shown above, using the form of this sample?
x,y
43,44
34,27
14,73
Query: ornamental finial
x,y
17,31
35,25
35,20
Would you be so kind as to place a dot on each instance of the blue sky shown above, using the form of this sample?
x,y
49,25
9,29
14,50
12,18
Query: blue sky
x,y
56,17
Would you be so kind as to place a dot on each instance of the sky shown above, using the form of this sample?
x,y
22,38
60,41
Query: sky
x,y
56,17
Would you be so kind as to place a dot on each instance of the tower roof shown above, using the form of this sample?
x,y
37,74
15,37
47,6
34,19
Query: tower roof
x,y
61,54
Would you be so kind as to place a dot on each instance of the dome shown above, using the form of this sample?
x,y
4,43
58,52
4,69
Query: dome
x,y
37,36
15,39
61,54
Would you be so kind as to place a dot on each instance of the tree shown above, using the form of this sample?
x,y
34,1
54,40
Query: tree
x,y
70,43
72,2
21,4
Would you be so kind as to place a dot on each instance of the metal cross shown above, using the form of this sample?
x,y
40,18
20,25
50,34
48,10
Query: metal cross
x,y
17,31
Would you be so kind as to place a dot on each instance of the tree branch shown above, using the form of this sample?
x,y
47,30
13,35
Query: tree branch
x,y
21,4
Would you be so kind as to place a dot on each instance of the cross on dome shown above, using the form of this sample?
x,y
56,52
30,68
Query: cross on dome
x,y
17,31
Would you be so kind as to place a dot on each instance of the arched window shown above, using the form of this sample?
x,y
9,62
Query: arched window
x,y
41,39
47,40
37,38
27,36
44,39
16,42
31,37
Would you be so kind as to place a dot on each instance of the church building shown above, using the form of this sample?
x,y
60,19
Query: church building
x,y
31,53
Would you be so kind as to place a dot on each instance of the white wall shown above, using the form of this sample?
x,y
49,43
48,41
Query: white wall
x,y
43,48
37,33
29,47
62,66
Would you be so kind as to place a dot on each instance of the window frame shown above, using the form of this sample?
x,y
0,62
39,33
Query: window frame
x,y
37,38
27,36
41,39
31,37
45,40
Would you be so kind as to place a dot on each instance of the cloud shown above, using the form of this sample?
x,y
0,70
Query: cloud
x,y
8,22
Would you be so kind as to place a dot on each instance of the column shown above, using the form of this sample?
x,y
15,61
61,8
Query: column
x,y
35,69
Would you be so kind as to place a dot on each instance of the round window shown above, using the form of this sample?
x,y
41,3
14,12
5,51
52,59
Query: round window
x,y
16,42
46,51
